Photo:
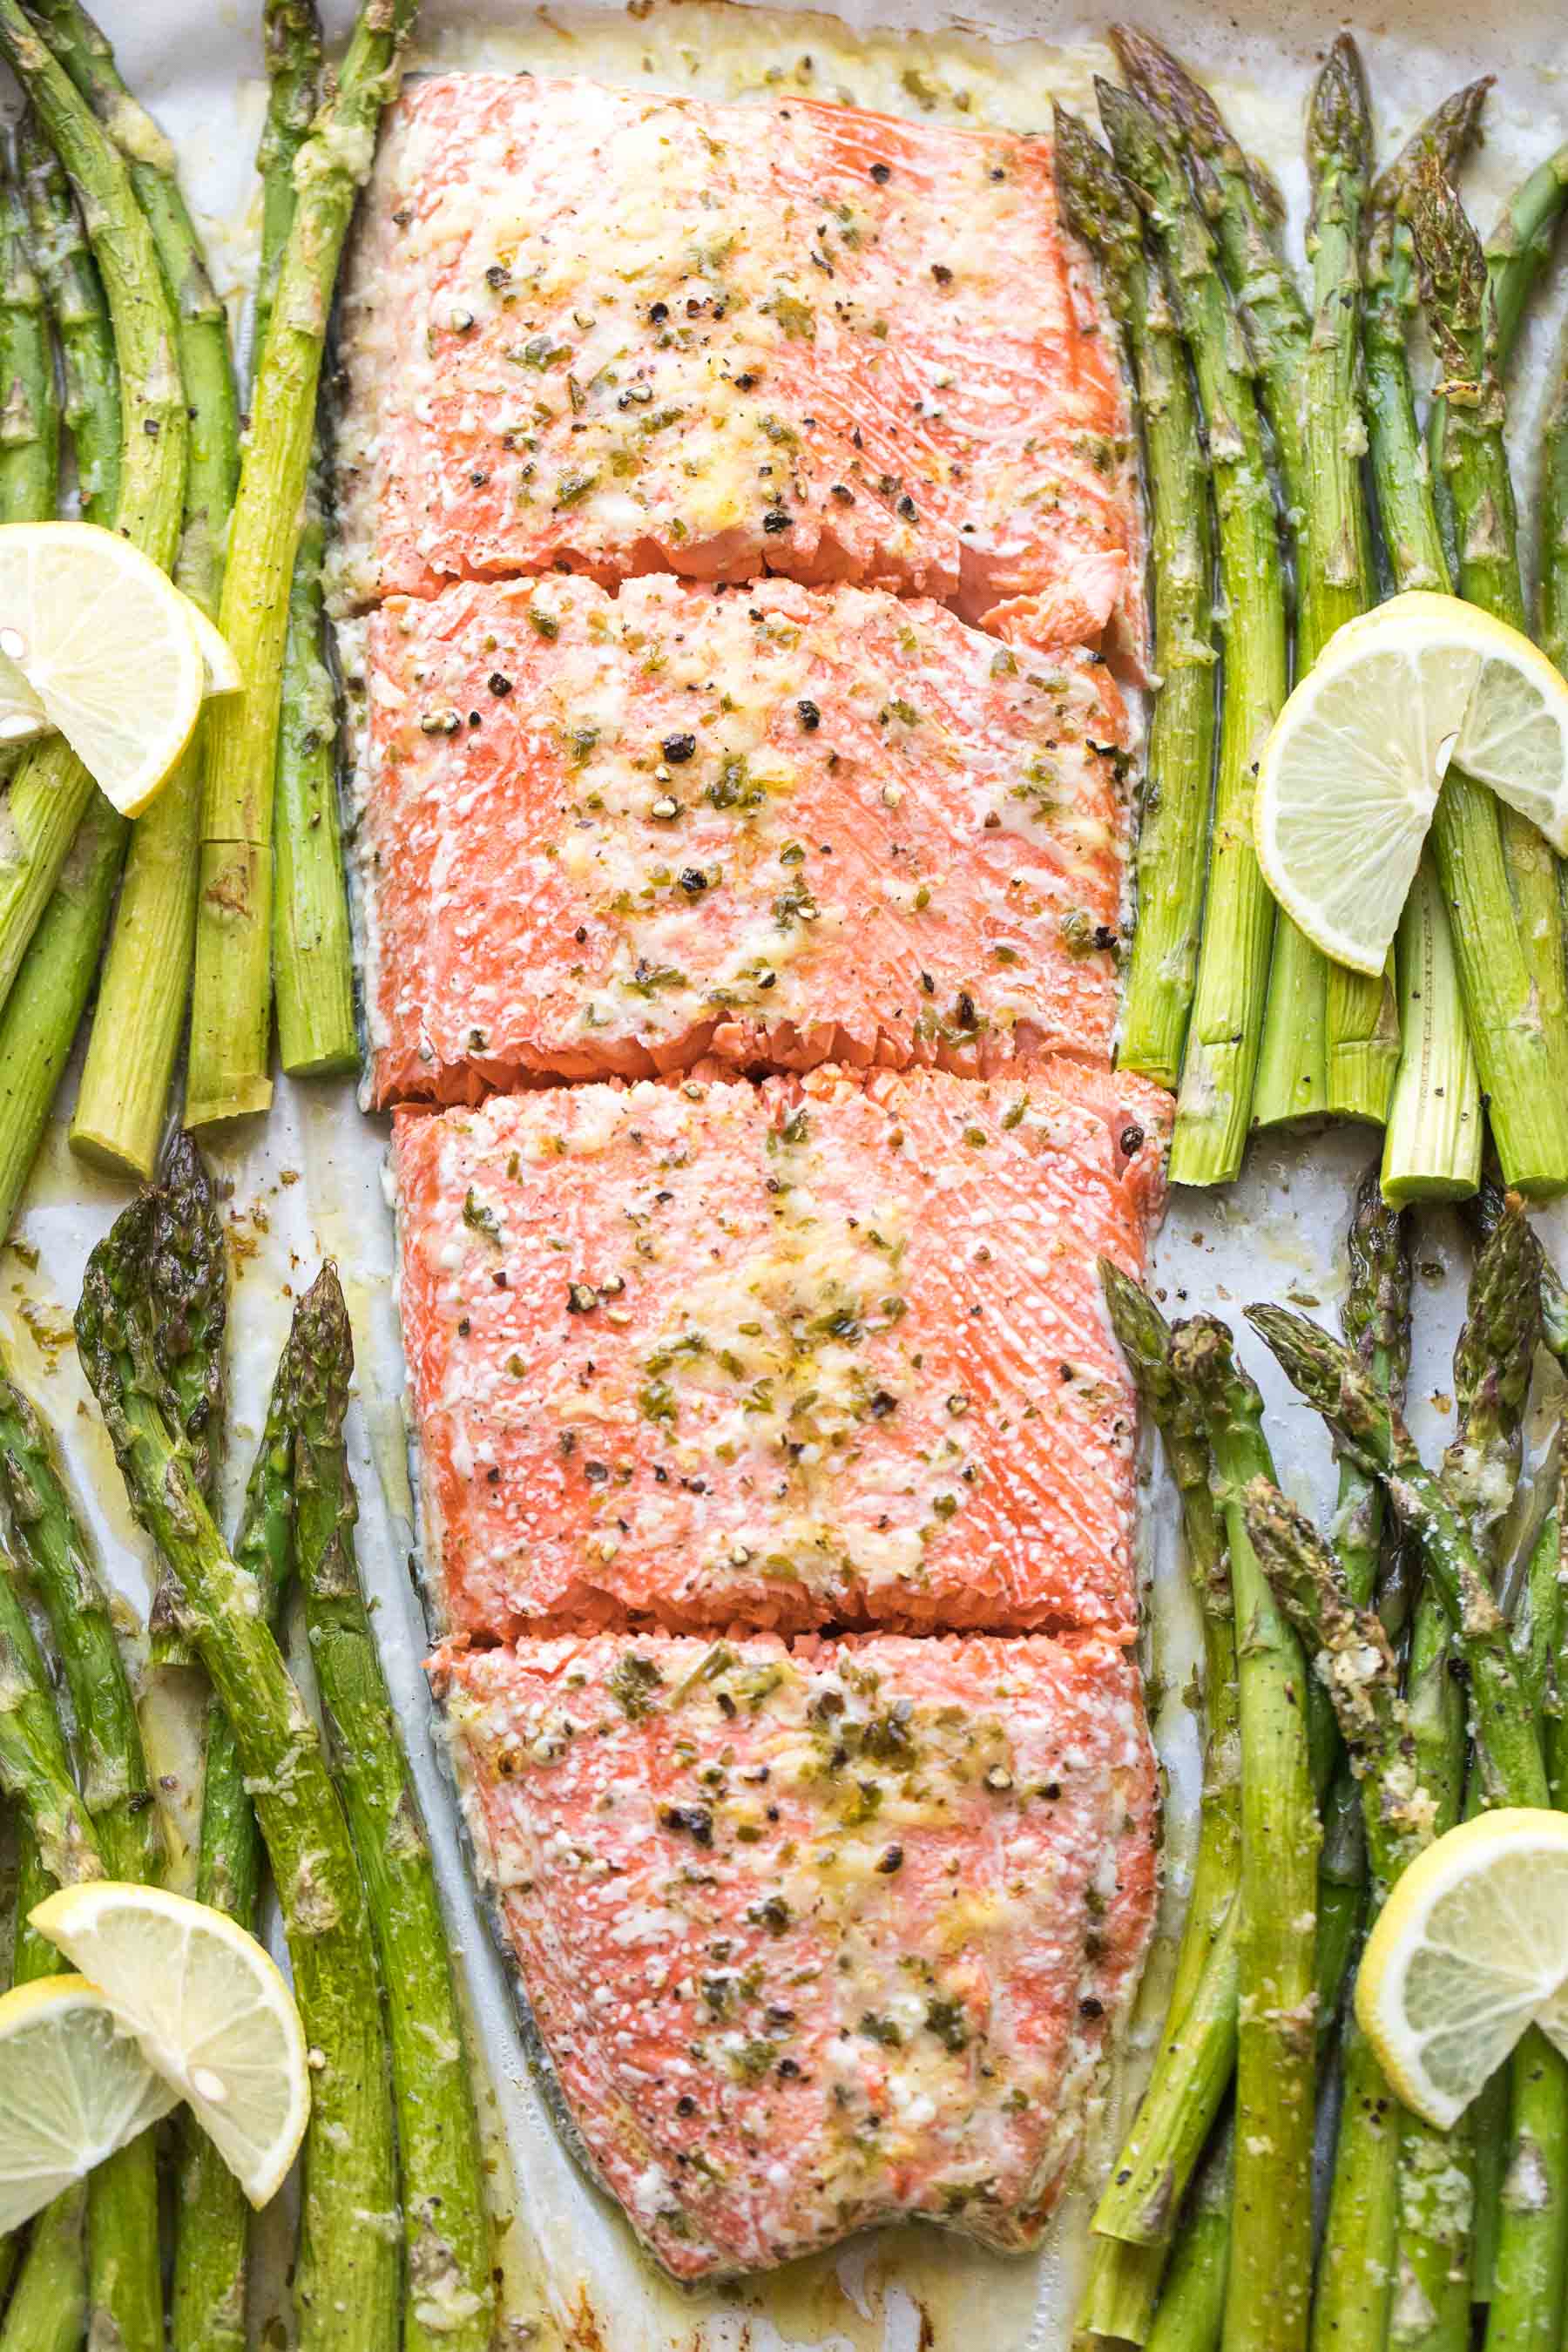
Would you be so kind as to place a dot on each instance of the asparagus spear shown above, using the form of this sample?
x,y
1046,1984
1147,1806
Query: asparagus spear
x,y
51,789
34,1768
1491,1378
1361,1036
1532,2229
1454,291
1295,354
55,1845
1173,832
1222,1035
291,42
1125,2278
312,953
346,2282
124,2284
1352,1658
29,412
1432,1147
1269,2288
1552,611
76,302
1516,253
1377,1327
1191,2308
230,1021
448,2299
188,1273
212,2239
145,982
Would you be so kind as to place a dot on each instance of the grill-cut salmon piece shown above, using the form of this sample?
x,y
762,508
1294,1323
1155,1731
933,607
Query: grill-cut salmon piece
x,y
815,1938
831,1349
623,333
608,835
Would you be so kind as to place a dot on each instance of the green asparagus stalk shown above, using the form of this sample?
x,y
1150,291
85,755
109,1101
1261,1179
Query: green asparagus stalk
x,y
124,2285
313,955
448,2299
48,2311
1301,384
1532,2227
312,950
34,1768
1481,485
56,1847
1172,833
213,2228
40,1019
291,39
231,1015
1191,2308
1491,1379
1269,2288
1194,2069
29,411
116,1784
1351,1656
1553,608
346,2281
1215,1097
76,304
1516,253
1377,1327
1362,1049
1432,1147
145,983
1125,2278
51,789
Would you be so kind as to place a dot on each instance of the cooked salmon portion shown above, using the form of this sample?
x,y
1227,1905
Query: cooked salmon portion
x,y
818,1938
829,1349
622,332
608,835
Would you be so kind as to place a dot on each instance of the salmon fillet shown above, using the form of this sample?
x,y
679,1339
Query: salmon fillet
x,y
621,333
607,836
830,1349
815,1938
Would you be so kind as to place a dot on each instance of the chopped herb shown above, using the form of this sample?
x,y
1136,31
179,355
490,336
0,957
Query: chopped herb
x,y
482,1219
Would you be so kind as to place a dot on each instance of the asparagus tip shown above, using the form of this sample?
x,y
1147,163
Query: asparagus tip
x,y
1096,201
1173,96
1339,113
1449,260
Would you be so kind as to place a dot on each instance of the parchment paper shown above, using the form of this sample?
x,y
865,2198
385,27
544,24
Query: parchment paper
x,y
310,1181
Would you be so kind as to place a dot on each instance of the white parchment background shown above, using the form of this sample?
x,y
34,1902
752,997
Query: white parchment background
x,y
309,1182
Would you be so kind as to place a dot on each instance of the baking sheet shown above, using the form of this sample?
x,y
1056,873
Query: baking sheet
x,y
310,1181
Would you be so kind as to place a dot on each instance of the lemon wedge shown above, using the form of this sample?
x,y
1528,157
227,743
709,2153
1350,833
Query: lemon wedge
x,y
73,2088
96,642
208,2009
1350,775
1471,1950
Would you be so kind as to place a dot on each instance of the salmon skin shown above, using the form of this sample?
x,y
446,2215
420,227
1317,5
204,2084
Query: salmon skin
x,y
609,835
825,1350
622,332
820,1938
